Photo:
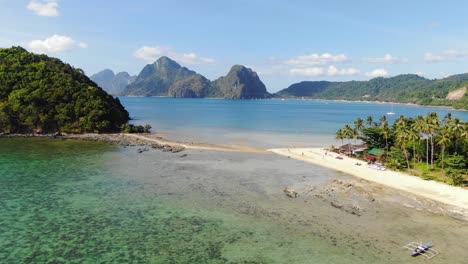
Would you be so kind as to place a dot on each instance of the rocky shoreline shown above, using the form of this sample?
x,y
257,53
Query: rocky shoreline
x,y
357,197
118,139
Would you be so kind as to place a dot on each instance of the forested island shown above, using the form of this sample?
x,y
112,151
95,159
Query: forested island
x,y
40,94
405,88
427,146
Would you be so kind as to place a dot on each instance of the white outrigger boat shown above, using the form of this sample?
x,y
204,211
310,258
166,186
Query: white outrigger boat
x,y
420,249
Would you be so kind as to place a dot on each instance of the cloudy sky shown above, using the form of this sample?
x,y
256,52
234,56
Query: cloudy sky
x,y
284,41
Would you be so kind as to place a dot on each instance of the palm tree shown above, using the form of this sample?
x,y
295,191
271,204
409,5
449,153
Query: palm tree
x,y
464,134
386,132
421,125
433,123
444,141
349,134
456,130
355,135
369,120
383,120
402,137
340,135
448,118
414,137
359,125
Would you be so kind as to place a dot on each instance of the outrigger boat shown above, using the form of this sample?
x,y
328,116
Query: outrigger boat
x,y
420,249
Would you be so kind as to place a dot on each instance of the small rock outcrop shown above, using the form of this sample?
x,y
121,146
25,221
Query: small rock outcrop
x,y
168,148
291,193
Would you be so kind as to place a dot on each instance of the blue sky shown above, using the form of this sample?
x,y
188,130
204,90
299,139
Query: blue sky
x,y
284,41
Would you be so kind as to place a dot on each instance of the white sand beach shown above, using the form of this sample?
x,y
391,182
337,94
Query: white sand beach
x,y
440,192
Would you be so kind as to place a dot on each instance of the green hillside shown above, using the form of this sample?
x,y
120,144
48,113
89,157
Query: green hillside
x,y
43,94
406,88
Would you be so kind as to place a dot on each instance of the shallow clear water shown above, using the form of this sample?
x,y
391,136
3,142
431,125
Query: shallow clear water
x,y
261,122
73,202
82,202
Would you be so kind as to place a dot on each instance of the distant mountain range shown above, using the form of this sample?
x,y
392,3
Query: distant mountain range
x,y
166,77
405,88
112,83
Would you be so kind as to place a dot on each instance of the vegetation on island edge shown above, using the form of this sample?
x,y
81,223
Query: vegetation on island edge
x,y
405,88
40,94
426,146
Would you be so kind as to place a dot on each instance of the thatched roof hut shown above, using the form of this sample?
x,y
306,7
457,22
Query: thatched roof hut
x,y
352,149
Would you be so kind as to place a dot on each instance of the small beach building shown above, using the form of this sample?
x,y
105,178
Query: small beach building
x,y
374,154
349,149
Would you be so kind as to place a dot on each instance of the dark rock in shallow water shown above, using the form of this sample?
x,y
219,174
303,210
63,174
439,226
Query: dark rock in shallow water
x,y
290,192
336,204
177,149
142,150
168,148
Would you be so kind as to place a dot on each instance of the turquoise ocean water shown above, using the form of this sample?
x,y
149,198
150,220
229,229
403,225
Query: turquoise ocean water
x,y
221,120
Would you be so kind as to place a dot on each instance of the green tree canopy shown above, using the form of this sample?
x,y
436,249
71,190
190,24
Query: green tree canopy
x,y
43,94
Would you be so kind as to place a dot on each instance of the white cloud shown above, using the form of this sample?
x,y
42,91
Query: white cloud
x,y
321,71
152,53
333,71
447,55
313,71
317,59
54,44
377,73
148,54
387,58
44,8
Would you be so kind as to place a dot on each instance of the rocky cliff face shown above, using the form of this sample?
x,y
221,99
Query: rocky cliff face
x,y
112,83
241,83
166,77
195,86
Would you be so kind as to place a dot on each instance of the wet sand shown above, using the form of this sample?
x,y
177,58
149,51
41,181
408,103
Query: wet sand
x,y
336,218
450,195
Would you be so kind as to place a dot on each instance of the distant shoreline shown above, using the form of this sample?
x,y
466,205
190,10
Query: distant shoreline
x,y
311,99
372,102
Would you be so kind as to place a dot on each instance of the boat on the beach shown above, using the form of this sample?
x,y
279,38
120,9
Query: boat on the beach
x,y
420,249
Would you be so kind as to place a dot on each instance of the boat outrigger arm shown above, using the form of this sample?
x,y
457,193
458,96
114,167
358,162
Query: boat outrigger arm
x,y
420,249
